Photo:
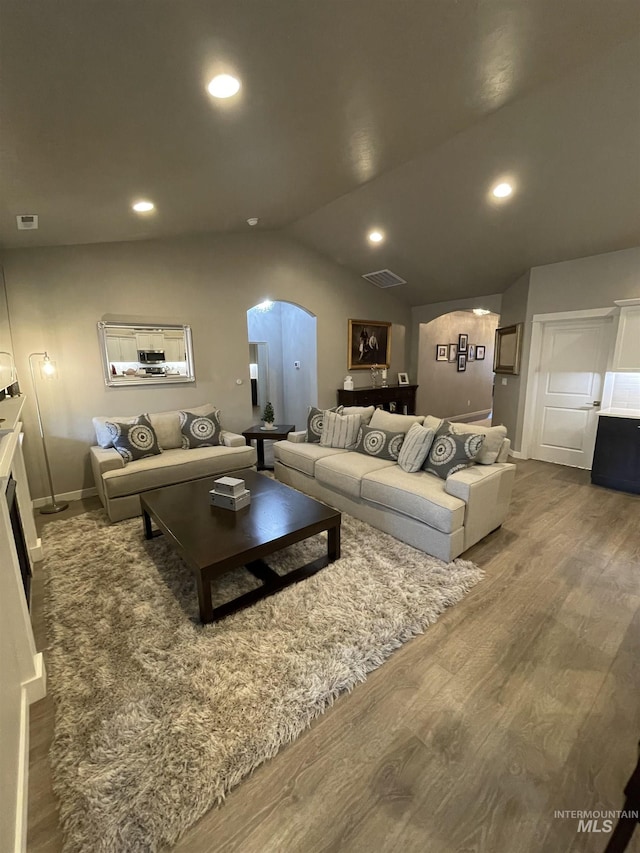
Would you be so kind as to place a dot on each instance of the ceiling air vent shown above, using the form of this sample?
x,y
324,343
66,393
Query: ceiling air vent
x,y
384,278
27,222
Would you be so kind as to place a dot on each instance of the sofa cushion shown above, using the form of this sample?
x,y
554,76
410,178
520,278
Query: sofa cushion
x,y
493,440
345,472
200,430
450,453
315,418
415,448
176,466
365,412
379,443
134,441
302,457
393,422
339,430
421,496
166,425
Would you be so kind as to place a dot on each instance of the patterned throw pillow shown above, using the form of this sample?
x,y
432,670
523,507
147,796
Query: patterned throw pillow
x,y
340,430
200,430
379,443
450,453
315,419
415,448
134,440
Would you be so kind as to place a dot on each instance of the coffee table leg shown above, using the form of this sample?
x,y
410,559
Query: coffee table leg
x,y
148,531
333,543
204,599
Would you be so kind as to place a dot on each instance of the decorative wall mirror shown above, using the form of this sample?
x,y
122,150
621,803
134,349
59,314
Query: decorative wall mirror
x,y
506,357
145,353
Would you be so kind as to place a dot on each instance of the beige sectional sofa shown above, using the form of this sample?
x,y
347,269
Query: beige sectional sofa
x,y
441,517
120,484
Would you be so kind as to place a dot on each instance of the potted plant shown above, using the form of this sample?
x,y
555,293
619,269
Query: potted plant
x,y
268,416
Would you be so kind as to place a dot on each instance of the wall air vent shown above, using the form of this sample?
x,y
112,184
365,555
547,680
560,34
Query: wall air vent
x,y
27,222
384,278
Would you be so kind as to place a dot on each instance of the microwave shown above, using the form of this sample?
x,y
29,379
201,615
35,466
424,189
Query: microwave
x,y
151,356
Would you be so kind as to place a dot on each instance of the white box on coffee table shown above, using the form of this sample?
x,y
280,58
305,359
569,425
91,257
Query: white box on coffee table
x,y
229,486
234,502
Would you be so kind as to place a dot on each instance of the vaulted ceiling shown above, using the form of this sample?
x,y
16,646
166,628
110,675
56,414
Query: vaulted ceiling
x,y
353,114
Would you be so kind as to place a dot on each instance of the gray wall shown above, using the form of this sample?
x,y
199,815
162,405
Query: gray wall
x,y
509,391
443,391
57,295
592,282
267,326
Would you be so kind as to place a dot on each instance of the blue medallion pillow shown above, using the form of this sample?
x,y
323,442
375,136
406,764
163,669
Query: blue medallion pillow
x,y
134,439
200,430
315,420
450,453
379,443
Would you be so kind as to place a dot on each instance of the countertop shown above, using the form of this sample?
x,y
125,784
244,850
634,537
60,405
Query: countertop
x,y
620,413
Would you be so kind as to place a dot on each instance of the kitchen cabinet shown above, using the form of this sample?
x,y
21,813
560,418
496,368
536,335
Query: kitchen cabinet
x,y
393,398
627,352
122,348
174,348
150,340
616,459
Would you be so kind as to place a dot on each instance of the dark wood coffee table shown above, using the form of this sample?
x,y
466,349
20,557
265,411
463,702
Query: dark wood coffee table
x,y
213,541
257,434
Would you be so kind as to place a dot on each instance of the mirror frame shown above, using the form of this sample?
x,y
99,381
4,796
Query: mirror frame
x,y
508,340
126,381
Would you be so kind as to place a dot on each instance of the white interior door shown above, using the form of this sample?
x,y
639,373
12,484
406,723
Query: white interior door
x,y
570,384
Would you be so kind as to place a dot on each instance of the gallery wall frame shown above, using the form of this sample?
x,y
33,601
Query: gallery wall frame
x,y
506,357
442,352
368,343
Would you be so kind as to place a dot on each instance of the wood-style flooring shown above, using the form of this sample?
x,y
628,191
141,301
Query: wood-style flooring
x,y
522,700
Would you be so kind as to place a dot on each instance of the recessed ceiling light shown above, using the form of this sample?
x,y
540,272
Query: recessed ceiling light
x,y
480,312
502,190
223,86
143,206
253,220
375,236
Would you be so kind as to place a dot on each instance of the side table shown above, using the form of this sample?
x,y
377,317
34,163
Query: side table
x,y
257,434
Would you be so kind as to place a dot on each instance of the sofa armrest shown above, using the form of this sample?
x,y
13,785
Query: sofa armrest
x,y
103,460
232,439
486,491
298,437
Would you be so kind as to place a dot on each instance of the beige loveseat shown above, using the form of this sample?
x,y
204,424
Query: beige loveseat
x,y
440,517
120,484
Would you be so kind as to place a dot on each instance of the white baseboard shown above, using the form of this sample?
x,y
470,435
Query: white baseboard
x,y
78,495
470,416
22,782
517,454
36,551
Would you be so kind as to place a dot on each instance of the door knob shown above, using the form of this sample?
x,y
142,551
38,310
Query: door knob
x,y
597,403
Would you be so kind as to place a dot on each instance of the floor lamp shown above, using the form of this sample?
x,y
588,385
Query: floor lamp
x,y
48,368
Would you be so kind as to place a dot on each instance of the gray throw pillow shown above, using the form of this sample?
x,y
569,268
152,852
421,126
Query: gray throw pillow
x,y
450,453
134,440
315,419
415,448
379,443
200,430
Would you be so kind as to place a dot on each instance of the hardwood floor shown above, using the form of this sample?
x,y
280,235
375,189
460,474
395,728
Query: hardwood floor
x,y
520,701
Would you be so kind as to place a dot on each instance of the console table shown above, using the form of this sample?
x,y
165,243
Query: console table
x,y
393,398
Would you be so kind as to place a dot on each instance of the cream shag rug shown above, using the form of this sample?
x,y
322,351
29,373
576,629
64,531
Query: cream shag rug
x,y
158,717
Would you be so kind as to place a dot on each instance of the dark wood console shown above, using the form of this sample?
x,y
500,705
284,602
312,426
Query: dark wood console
x,y
393,398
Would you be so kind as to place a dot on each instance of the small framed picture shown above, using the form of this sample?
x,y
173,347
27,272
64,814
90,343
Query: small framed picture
x,y
479,353
462,361
462,343
403,379
471,352
442,353
453,352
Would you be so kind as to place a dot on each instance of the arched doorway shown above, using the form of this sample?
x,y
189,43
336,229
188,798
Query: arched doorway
x,y
447,388
283,342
